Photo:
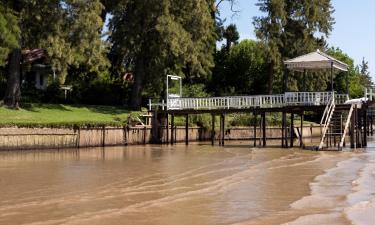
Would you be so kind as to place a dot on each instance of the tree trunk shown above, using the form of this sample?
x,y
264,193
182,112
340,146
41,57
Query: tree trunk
x,y
270,77
13,90
139,75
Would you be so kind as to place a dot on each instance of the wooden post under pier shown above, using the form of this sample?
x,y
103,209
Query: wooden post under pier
x,y
212,129
255,128
264,128
187,129
172,130
301,133
291,129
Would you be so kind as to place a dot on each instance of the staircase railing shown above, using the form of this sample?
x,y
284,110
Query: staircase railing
x,y
346,126
327,115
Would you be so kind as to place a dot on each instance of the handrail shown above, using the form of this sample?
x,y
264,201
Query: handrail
x,y
326,110
327,120
253,101
346,125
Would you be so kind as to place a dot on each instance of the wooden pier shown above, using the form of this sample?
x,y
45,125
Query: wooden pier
x,y
341,117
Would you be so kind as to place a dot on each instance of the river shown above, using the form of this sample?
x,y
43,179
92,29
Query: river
x,y
197,184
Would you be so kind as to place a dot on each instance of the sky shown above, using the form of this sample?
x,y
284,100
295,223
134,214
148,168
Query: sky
x,y
353,31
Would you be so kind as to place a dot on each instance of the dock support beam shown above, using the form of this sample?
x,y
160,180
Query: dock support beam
x,y
301,133
167,126
283,127
212,129
352,129
187,129
291,129
255,128
222,129
172,130
364,115
264,128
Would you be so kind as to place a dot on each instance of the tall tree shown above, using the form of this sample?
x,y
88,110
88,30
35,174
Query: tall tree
x,y
231,36
365,74
154,37
289,29
68,30
9,32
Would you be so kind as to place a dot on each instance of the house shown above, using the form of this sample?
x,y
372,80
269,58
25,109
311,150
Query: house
x,y
35,70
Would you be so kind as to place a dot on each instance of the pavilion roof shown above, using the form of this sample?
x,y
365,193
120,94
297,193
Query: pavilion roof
x,y
315,61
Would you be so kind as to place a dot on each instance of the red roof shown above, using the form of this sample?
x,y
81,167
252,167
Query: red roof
x,y
30,55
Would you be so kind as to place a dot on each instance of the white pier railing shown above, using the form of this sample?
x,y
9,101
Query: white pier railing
x,y
256,101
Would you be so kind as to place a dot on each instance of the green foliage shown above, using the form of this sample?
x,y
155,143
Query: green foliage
x,y
288,29
357,81
242,71
9,32
171,37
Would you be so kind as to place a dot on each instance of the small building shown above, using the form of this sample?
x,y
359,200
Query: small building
x,y
36,71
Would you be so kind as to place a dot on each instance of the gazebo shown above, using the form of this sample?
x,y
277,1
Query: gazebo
x,y
315,61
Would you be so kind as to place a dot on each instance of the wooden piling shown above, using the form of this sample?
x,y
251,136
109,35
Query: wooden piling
x,y
291,129
301,133
364,115
255,128
167,127
223,130
264,128
284,131
172,130
187,129
212,129
371,124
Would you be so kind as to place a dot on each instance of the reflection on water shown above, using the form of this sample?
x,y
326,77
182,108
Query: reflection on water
x,y
198,184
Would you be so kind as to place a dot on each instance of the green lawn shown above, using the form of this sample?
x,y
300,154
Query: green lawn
x,y
63,115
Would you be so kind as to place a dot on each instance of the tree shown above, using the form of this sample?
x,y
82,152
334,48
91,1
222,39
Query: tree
x,y
231,35
68,30
289,28
154,37
356,84
9,32
241,71
365,74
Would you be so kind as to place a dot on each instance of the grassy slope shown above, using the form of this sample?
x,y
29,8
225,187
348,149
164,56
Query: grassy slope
x,y
63,115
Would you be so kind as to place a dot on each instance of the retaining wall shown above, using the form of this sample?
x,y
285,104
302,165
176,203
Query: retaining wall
x,y
46,138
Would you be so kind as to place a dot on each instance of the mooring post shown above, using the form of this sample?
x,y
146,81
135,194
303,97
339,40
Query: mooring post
x,y
301,133
172,130
212,129
255,128
264,128
187,129
291,129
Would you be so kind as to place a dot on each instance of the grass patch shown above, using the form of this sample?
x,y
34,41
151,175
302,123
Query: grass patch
x,y
58,115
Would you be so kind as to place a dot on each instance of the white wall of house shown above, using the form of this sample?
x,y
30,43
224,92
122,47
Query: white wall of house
x,y
41,81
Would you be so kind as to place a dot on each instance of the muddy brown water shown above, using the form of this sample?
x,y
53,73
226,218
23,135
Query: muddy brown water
x,y
195,184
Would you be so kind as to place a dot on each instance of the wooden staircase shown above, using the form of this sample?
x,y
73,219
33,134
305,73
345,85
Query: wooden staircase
x,y
335,125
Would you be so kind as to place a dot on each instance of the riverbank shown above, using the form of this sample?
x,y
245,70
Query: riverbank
x,y
178,184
